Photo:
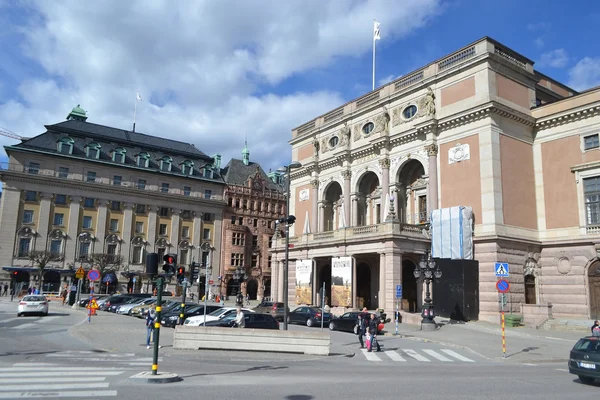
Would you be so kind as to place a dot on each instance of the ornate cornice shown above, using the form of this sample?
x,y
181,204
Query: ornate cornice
x,y
557,120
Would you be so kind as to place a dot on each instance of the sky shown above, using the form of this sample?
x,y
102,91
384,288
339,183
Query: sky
x,y
218,72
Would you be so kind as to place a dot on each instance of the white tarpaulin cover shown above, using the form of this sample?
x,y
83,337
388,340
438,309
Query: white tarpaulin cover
x,y
452,233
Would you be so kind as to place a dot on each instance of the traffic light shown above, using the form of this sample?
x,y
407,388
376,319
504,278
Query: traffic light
x,y
180,274
152,264
170,263
195,271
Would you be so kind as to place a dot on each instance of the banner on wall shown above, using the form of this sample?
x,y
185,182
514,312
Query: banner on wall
x,y
341,281
304,269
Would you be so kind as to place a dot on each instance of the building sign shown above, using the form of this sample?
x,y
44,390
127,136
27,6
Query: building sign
x,y
341,282
458,153
304,195
304,269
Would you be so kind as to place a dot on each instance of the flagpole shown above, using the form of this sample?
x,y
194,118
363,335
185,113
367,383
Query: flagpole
x,y
373,58
134,112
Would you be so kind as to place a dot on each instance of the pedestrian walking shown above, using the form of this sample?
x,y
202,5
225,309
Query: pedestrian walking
x,y
373,328
361,330
63,295
596,329
5,293
247,299
150,320
240,321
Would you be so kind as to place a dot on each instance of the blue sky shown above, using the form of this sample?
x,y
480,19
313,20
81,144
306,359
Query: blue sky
x,y
213,72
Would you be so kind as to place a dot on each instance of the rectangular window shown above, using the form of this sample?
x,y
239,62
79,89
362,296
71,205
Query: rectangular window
x,y
137,254
88,202
141,184
139,227
114,225
254,241
269,224
119,157
84,250
162,229
240,220
115,206
233,219
245,204
140,209
237,203
206,234
56,247
187,190
161,253
87,222
117,179
185,232
24,245
30,195
591,190
238,239
237,259
251,206
270,241
111,249
34,168
92,152
207,194
204,258
91,176
28,216
254,260
207,217
59,219
230,201
63,172
255,222
164,188
591,142
60,199
164,212
183,256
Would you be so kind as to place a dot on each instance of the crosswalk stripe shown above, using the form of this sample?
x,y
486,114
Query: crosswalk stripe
x,y
70,354
48,319
9,320
456,355
415,355
112,360
436,355
370,356
40,374
65,369
33,364
54,394
54,379
94,385
24,326
393,355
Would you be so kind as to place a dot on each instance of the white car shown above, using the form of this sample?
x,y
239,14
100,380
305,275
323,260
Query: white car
x,y
33,304
221,313
125,308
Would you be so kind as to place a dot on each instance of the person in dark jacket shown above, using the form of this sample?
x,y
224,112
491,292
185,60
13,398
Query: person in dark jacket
x,y
596,329
361,329
373,328
150,320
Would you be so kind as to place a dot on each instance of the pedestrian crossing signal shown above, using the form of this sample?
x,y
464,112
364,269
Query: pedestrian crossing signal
x,y
180,274
170,260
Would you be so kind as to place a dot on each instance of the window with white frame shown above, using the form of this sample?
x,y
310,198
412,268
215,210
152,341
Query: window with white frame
x,y
91,176
87,222
591,142
84,249
187,167
137,255
56,247
162,229
139,227
183,256
114,225
207,194
237,259
24,246
164,188
65,145
93,150
118,155
143,160
185,232
63,172
206,234
591,192
28,216
187,191
34,168
59,219
165,164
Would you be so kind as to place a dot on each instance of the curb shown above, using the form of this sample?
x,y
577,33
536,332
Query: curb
x,y
160,377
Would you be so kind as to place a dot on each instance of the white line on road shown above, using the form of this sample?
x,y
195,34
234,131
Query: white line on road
x,y
562,370
33,365
95,385
47,319
83,369
415,355
54,379
71,373
9,320
436,355
457,356
24,326
393,355
70,354
555,338
112,360
77,394
370,356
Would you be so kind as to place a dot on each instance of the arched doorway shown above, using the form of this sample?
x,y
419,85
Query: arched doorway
x,y
333,196
363,285
51,282
412,193
409,287
325,277
232,287
252,289
369,203
267,284
530,290
594,285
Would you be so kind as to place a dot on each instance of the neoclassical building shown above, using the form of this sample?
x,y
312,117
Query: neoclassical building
x,y
81,194
479,128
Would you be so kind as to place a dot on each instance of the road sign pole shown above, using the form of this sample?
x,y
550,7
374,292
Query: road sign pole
x,y
159,289
323,307
182,310
397,316
90,303
503,335
79,291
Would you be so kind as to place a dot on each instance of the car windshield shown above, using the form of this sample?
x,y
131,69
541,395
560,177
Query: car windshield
x,y
588,346
133,301
218,312
34,298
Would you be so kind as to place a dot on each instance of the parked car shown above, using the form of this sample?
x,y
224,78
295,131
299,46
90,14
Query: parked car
x,y
347,322
138,311
273,308
126,308
214,316
310,316
584,360
252,320
33,304
116,299
171,318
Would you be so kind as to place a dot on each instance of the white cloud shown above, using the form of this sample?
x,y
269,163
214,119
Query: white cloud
x,y
538,26
556,59
197,64
387,79
539,42
585,74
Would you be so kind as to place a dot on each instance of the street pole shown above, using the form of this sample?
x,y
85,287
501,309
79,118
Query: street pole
x,y
287,252
79,282
503,331
322,306
159,287
397,315
182,309
209,263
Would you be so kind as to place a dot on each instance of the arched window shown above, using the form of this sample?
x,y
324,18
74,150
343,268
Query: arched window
x,y
143,160
65,145
165,164
187,167
118,155
92,150
57,244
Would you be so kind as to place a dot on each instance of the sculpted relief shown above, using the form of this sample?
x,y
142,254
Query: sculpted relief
x,y
424,107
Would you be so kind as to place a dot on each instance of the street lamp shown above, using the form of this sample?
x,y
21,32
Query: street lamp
x,y
240,276
287,170
429,270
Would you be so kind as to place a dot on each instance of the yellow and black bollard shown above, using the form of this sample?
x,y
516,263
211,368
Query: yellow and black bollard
x,y
159,289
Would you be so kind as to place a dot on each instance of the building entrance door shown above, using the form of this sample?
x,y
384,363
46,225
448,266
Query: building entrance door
x,y
409,286
324,274
363,286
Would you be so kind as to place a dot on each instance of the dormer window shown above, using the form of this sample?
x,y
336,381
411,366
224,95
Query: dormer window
x,y
65,145
165,164
92,150
208,171
187,167
143,160
118,155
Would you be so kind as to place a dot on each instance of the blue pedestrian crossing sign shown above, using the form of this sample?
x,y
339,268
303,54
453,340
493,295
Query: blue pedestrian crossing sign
x,y
398,291
501,270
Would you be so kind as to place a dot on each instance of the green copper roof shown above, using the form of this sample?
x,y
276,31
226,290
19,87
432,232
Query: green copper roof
x,y
77,113
246,154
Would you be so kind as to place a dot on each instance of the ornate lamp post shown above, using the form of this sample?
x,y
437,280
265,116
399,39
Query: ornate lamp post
x,y
429,270
240,276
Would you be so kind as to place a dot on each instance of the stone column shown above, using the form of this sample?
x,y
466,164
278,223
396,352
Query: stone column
x,y
9,216
384,163
151,228
393,277
280,280
197,236
314,205
73,228
347,175
321,216
44,223
354,304
382,271
101,226
432,187
355,199
315,285
127,232
174,234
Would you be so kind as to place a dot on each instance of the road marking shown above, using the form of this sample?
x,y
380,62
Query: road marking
x,y
33,364
457,356
393,355
48,319
69,354
83,369
24,326
436,355
95,385
370,356
36,374
9,320
415,355
555,338
78,394
54,379
562,370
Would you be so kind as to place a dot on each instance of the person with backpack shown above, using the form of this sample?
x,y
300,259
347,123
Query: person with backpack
x,y
373,328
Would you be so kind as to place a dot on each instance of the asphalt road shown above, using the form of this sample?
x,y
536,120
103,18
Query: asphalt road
x,y
45,358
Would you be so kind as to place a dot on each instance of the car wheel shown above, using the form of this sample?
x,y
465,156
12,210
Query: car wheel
x,y
19,314
355,330
331,326
585,379
309,322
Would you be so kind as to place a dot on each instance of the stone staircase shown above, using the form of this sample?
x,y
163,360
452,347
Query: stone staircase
x,y
566,325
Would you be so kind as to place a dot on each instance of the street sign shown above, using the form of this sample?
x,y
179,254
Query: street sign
x,y
80,273
501,270
92,304
503,286
210,282
73,288
398,291
134,279
94,275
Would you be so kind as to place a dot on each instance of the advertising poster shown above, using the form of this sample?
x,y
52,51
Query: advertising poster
x,y
341,281
304,270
